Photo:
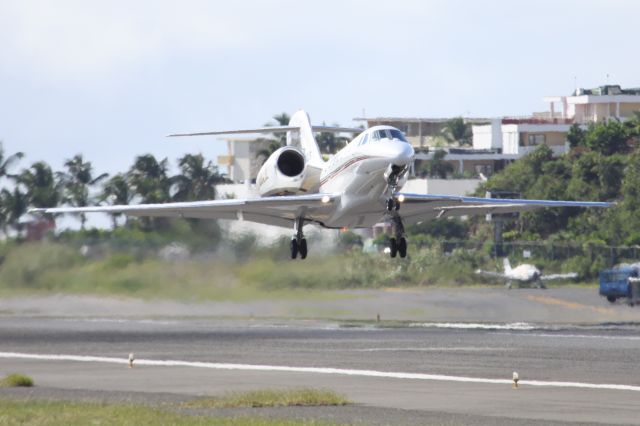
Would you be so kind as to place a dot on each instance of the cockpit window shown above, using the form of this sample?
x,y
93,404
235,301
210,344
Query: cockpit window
x,y
380,134
397,134
364,140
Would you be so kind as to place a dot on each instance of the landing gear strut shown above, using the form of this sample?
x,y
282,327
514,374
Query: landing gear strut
x,y
298,242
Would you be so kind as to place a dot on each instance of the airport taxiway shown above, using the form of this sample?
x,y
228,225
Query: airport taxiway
x,y
445,373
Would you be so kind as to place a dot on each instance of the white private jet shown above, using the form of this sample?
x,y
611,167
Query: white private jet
x,y
525,273
357,188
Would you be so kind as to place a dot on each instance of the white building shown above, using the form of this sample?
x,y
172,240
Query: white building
x,y
243,159
519,135
599,104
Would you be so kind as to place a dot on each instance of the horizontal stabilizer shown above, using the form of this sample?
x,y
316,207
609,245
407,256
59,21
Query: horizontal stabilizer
x,y
272,129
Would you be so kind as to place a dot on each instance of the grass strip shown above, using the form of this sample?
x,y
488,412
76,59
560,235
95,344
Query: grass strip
x,y
272,398
45,413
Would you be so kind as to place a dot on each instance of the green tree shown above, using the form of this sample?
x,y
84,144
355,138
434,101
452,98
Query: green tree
x,y
14,205
7,161
77,182
575,136
197,180
608,137
456,130
116,191
150,181
329,142
42,189
277,140
437,167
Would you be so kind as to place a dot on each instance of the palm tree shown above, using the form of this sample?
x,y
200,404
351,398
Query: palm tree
x,y
77,181
277,140
149,179
8,161
197,180
42,189
456,130
329,143
5,164
14,205
117,191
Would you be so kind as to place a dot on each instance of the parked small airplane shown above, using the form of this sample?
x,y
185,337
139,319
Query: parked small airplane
x,y
525,273
357,188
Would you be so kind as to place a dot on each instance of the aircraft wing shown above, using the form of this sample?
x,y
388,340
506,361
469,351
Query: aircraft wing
x,y
567,276
419,207
491,274
279,211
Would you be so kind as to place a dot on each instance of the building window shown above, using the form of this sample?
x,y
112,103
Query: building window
x,y
536,139
485,169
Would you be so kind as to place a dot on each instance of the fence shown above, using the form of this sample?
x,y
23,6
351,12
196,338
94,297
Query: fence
x,y
612,255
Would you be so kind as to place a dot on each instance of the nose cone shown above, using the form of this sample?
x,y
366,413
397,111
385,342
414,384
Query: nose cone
x,y
400,153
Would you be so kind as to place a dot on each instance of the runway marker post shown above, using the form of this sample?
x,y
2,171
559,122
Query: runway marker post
x,y
131,359
515,379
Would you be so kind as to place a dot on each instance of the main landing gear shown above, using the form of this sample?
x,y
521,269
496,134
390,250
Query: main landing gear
x,y
398,244
298,242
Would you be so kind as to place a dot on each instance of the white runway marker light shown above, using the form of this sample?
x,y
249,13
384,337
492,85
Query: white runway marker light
x,y
131,359
515,379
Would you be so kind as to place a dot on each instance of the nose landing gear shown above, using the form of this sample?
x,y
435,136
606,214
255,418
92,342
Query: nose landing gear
x,y
397,244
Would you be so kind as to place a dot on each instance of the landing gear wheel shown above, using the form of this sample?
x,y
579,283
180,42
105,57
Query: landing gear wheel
x,y
294,248
402,247
303,248
611,299
393,247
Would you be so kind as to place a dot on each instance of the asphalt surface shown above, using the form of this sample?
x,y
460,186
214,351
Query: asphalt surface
x,y
569,305
583,354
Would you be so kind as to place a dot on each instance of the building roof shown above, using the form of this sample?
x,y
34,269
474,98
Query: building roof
x,y
607,90
423,119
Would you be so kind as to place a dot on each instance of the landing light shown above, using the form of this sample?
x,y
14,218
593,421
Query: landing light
x,y
401,198
325,199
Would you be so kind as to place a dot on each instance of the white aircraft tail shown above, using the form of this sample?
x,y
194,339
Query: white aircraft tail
x,y
304,138
507,265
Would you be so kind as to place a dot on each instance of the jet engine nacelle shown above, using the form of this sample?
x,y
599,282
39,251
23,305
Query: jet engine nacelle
x,y
283,173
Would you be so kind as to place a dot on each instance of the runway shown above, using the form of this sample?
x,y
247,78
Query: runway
x,y
452,373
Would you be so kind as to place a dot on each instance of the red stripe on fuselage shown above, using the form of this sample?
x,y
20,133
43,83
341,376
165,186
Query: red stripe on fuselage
x,y
344,167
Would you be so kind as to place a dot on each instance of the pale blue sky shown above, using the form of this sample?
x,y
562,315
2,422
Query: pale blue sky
x,y
111,78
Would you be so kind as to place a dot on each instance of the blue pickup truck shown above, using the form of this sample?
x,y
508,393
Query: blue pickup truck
x,y
622,281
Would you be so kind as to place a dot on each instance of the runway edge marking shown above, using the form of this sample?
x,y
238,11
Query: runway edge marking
x,y
313,370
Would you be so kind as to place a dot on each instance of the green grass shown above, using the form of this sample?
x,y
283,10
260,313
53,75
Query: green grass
x,y
272,398
40,413
16,380
48,268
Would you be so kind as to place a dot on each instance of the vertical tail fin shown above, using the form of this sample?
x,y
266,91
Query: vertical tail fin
x,y
507,265
304,139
